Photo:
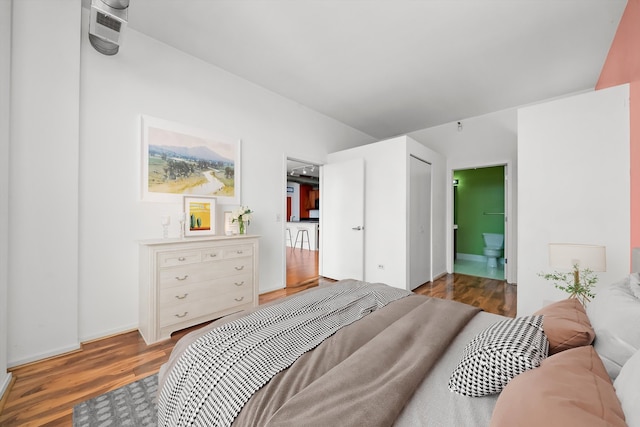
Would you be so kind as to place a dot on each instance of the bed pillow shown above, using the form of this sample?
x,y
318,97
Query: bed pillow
x,y
566,325
571,388
497,354
615,316
628,391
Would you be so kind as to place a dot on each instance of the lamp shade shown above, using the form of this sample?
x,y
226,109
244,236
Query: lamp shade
x,y
564,255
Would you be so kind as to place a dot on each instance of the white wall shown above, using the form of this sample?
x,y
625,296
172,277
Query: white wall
x,y
5,89
385,231
486,140
75,277
43,179
148,77
573,186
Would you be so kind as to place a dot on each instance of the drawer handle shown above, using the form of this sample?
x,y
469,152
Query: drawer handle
x,y
181,316
213,255
182,297
237,299
182,278
239,284
240,268
239,252
181,258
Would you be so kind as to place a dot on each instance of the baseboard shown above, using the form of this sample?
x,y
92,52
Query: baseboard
x,y
67,350
476,258
109,333
438,276
4,389
271,289
40,357
471,257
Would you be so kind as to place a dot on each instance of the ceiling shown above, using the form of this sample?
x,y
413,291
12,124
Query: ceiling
x,y
390,67
304,173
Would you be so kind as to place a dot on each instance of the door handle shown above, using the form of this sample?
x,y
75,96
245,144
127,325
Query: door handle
x,y
358,228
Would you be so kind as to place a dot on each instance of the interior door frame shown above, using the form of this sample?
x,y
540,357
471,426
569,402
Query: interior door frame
x,y
283,210
510,217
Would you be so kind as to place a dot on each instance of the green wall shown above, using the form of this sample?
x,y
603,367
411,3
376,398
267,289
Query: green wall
x,y
479,191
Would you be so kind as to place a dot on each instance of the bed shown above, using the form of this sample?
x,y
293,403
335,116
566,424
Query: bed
x,y
356,353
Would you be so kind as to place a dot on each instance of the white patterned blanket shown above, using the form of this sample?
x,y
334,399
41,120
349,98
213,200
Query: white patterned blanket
x,y
219,372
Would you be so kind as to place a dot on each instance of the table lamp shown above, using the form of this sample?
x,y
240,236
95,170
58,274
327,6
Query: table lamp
x,y
577,257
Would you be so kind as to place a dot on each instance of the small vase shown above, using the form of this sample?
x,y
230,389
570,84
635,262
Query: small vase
x,y
241,226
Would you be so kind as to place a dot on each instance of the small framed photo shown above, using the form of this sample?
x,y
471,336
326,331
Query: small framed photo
x,y
200,216
230,227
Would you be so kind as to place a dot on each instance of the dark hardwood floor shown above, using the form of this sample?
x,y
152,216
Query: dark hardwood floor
x,y
302,266
493,296
45,392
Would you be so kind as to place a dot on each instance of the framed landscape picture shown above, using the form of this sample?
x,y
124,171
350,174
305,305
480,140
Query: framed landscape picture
x,y
178,160
200,214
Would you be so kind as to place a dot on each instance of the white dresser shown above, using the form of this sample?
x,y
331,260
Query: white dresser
x,y
184,282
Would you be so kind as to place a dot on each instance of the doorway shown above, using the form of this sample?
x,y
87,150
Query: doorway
x,y
479,222
302,221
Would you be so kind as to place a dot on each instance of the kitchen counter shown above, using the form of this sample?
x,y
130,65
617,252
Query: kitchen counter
x,y
311,227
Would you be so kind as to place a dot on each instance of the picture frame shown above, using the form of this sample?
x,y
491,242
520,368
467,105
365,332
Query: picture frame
x,y
230,227
178,160
200,216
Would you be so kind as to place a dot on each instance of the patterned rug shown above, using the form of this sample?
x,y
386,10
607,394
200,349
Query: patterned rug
x,y
130,405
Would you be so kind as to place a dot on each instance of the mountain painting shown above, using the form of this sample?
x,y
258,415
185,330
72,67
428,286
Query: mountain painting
x,y
188,163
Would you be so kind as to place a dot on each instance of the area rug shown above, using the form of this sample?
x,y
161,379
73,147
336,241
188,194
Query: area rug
x,y
130,405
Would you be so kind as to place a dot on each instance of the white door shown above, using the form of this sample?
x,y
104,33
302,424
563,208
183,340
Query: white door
x,y
342,220
419,222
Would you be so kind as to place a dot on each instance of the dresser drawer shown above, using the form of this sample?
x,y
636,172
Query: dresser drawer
x,y
184,275
171,259
230,267
203,306
178,295
179,276
212,254
238,251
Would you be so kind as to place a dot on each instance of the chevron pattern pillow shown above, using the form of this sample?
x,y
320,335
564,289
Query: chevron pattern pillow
x,y
499,353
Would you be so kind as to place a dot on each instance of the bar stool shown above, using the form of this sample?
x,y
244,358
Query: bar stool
x,y
302,232
289,237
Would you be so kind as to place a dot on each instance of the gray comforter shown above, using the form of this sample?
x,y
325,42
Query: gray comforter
x,y
363,374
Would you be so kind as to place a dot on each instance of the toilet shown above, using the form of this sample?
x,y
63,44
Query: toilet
x,y
493,244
